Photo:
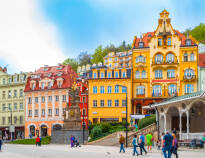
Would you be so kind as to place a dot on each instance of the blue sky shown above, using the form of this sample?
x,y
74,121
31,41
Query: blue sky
x,y
34,33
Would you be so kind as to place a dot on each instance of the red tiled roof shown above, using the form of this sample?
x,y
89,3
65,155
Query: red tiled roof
x,y
183,38
51,72
201,60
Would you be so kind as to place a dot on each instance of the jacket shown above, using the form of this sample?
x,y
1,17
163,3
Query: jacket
x,y
122,140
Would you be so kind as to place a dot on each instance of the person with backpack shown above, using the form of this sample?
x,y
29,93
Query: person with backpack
x,y
122,142
167,145
174,146
141,143
135,144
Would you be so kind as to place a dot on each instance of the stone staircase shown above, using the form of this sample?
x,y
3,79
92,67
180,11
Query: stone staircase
x,y
113,139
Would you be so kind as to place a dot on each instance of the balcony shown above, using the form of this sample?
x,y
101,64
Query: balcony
x,y
164,62
189,78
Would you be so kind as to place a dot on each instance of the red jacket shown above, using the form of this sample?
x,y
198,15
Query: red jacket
x,y
37,139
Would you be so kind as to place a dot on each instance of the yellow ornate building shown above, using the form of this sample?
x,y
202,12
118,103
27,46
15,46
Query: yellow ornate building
x,y
164,64
107,100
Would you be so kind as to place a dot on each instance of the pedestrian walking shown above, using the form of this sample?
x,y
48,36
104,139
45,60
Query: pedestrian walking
x,y
174,146
40,141
141,143
167,145
135,144
202,141
158,144
174,131
122,142
71,141
149,141
1,142
37,141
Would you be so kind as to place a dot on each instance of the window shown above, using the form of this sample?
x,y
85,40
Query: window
x,y
15,93
33,86
49,98
189,88
101,103
30,113
170,73
36,112
59,84
140,90
109,75
188,42
21,119
159,42
124,103
123,74
158,59
185,57
124,89
15,119
172,89
3,107
115,58
189,73
15,106
4,81
43,112
57,98
9,106
94,75
21,106
4,94
9,94
64,98
3,120
158,73
36,99
102,75
15,79
192,57
170,58
102,89
169,41
10,80
141,44
57,112
95,104
141,59
116,103
109,103
9,120
49,112
109,89
144,74
116,75
116,89
21,92
29,100
42,85
137,74
157,90
95,90
43,99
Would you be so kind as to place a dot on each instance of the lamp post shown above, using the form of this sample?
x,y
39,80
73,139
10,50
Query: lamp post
x,y
126,111
83,100
10,121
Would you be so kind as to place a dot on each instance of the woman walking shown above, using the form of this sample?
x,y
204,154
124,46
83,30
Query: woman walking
x,y
71,141
174,146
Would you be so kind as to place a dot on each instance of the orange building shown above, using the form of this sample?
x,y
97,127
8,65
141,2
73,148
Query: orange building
x,y
46,97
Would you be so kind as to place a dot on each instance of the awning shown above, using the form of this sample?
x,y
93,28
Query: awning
x,y
138,116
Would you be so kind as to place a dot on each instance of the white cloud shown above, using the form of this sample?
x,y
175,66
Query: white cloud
x,y
27,40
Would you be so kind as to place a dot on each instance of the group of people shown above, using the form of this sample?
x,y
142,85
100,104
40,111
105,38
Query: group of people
x,y
167,141
74,142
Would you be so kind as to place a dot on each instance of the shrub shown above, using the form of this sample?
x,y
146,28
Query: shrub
x,y
96,132
45,140
106,127
147,121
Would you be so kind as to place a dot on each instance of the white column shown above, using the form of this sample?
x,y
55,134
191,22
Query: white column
x,y
26,108
60,105
180,124
53,105
187,125
33,106
165,123
39,106
46,106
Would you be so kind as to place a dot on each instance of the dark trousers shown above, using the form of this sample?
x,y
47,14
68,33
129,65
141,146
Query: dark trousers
x,y
0,146
165,150
122,147
142,148
135,150
174,151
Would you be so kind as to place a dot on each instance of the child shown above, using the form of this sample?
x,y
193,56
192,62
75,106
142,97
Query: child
x,y
158,144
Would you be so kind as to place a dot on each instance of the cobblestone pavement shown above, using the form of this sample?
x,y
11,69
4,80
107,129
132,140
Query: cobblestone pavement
x,y
63,151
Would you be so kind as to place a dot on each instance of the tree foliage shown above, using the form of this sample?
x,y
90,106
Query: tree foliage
x,y
197,32
84,58
72,62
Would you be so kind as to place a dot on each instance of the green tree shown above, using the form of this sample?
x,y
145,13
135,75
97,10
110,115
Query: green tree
x,y
84,58
197,32
72,62
98,55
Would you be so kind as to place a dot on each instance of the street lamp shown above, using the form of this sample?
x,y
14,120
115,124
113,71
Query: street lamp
x,y
126,110
10,121
83,100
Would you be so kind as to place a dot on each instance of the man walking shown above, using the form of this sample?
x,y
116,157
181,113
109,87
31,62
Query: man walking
x,y
134,143
122,142
149,141
142,142
167,145
1,142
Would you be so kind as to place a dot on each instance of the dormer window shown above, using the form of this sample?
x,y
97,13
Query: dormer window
x,y
49,85
188,42
42,85
45,69
169,41
59,68
159,42
59,84
141,44
33,85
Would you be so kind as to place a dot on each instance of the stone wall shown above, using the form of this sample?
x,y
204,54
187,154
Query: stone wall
x,y
63,136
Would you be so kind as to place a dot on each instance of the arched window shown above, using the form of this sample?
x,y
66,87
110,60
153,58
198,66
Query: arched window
x,y
189,73
137,74
192,57
144,74
157,90
158,73
140,90
185,57
172,89
170,58
158,59
32,130
189,88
